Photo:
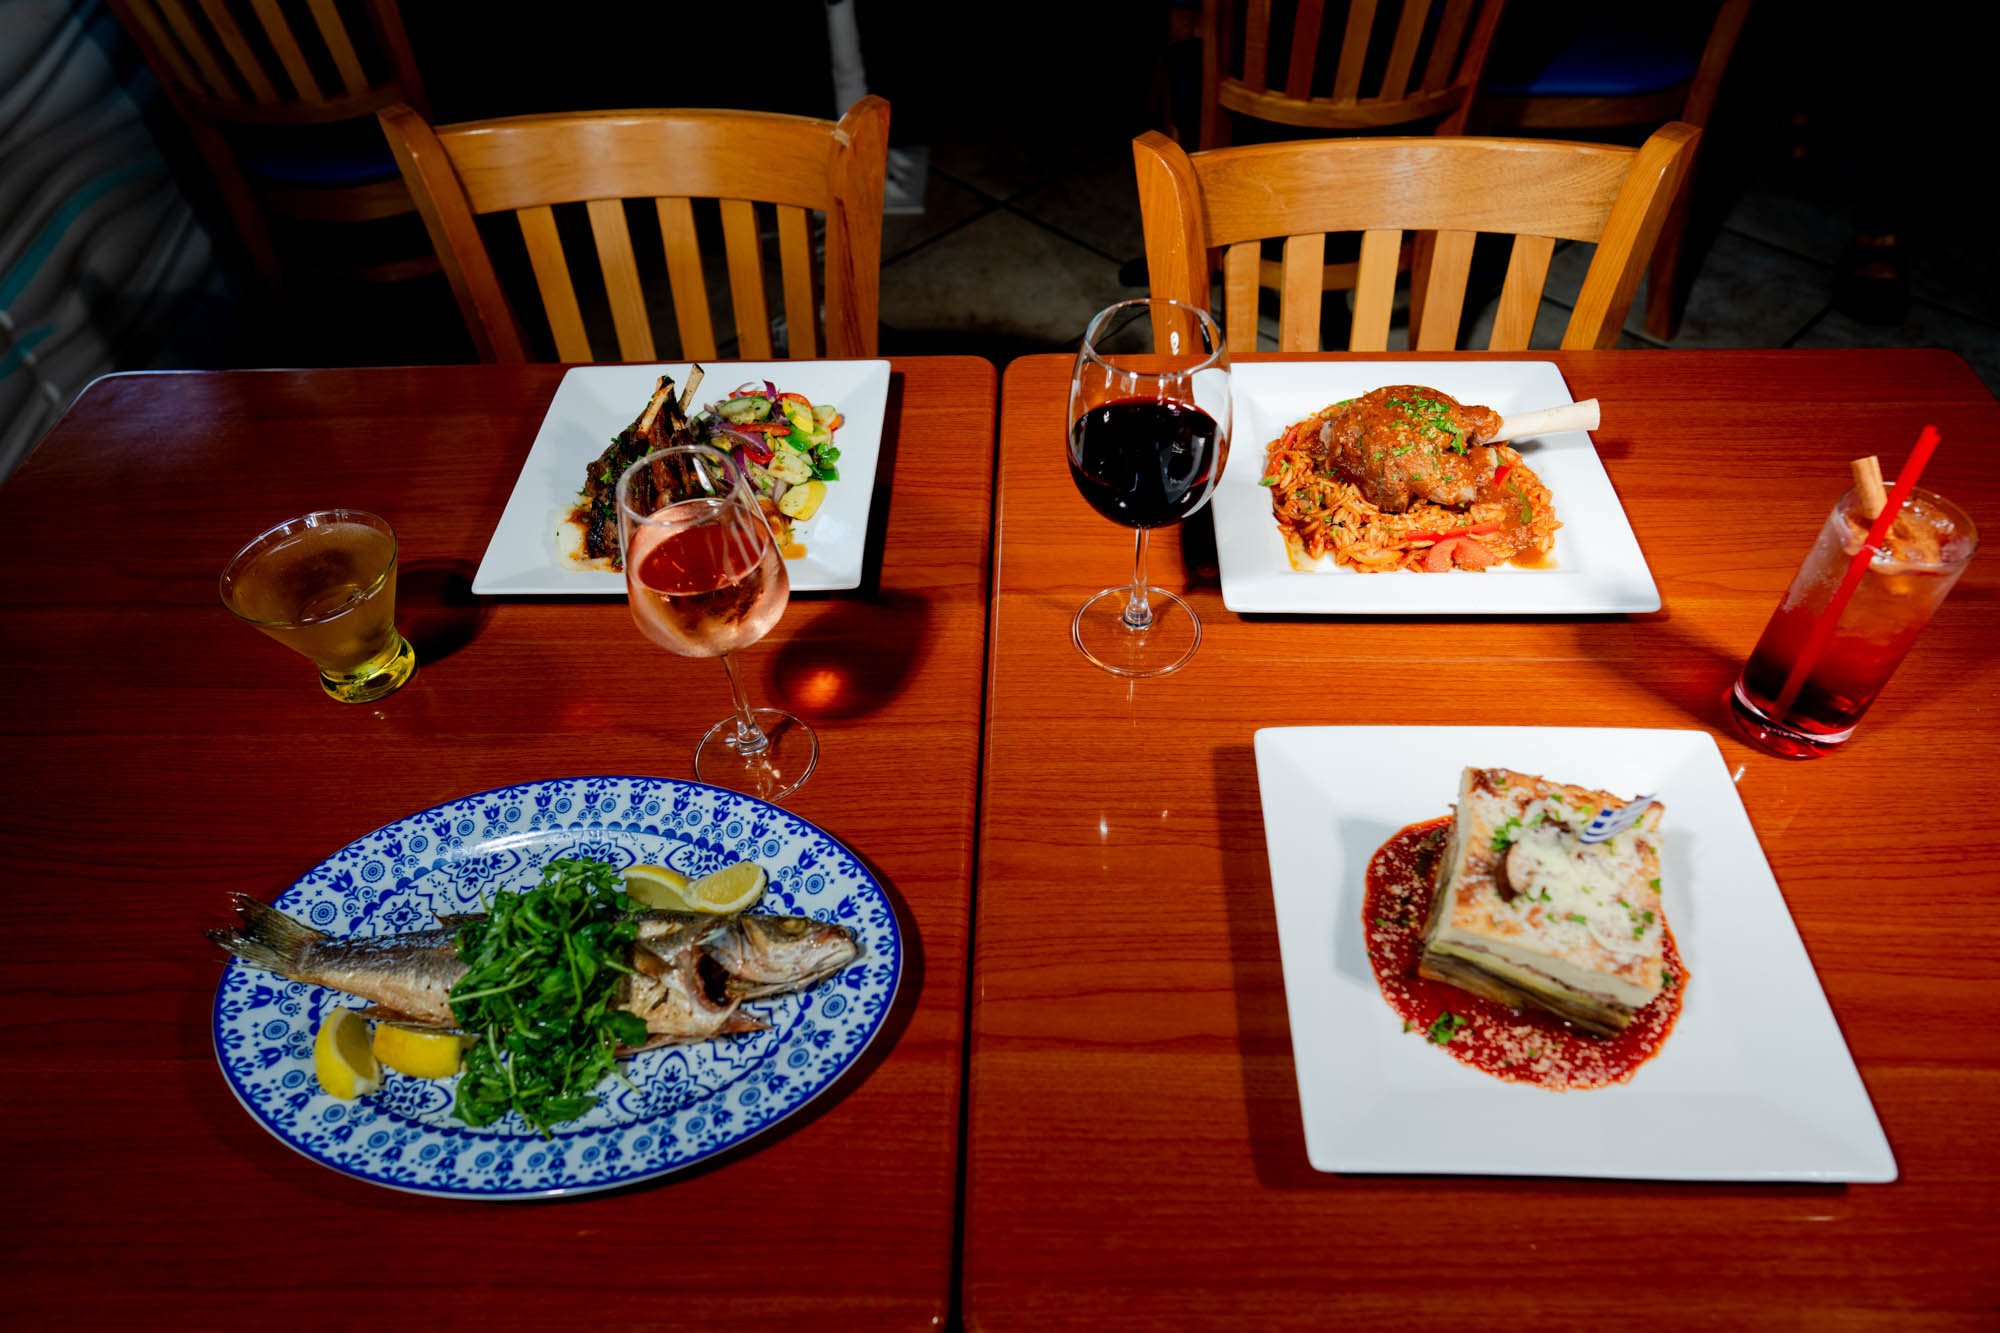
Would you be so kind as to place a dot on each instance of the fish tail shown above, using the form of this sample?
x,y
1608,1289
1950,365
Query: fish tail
x,y
268,939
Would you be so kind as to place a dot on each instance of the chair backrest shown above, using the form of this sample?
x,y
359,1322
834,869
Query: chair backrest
x,y
246,64
1539,191
530,164
1382,66
230,60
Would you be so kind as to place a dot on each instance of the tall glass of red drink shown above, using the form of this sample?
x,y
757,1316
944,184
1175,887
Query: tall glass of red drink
x,y
1904,583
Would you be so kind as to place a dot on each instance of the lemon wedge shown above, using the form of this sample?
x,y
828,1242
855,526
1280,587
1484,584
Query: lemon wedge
x,y
342,1059
658,886
418,1052
730,889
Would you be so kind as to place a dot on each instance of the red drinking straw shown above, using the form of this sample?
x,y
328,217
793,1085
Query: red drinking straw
x,y
1823,628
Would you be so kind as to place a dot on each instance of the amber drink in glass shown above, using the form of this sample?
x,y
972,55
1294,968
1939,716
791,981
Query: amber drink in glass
x,y
324,585
1904,583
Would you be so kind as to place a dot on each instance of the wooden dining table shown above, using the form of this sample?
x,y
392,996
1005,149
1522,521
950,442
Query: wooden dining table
x,y
162,756
1136,1153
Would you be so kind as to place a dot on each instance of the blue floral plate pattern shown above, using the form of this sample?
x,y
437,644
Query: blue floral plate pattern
x,y
687,1103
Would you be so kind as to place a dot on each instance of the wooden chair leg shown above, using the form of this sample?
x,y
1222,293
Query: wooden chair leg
x,y
241,202
1665,300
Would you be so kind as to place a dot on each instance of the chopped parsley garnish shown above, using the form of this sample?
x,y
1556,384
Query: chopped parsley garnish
x,y
1448,1025
1578,918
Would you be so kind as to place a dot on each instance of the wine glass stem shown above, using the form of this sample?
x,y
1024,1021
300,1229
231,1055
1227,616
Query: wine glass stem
x,y
750,738
1138,612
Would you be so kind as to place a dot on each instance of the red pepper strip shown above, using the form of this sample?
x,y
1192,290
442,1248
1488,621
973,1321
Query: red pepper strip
x,y
1475,530
760,454
1500,473
797,398
763,427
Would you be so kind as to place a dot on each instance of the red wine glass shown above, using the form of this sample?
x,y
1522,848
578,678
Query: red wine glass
x,y
704,578
1148,436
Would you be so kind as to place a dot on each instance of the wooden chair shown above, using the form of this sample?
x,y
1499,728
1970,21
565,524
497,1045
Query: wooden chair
x,y
1612,101
529,164
1537,190
283,115
1384,67
1421,69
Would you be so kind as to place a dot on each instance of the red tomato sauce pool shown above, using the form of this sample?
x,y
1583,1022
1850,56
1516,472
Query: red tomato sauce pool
x,y
1520,1045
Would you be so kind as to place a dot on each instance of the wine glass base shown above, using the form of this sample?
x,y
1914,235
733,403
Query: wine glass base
x,y
770,774
1101,634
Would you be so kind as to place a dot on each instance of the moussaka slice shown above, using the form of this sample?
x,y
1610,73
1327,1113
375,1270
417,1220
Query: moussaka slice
x,y
1527,913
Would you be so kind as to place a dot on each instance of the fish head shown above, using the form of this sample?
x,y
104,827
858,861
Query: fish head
x,y
768,954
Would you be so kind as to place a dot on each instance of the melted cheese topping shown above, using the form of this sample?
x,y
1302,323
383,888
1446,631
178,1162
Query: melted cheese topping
x,y
1573,885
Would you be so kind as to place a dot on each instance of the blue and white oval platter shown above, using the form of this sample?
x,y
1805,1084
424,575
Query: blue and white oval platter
x,y
687,1103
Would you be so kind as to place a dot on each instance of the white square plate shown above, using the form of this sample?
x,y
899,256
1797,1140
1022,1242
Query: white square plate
x,y
1755,1082
1598,564
594,403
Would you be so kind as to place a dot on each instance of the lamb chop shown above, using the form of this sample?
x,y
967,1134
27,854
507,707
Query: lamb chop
x,y
1406,443
663,422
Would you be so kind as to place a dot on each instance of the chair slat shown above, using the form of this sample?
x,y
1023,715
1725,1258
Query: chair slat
x,y
684,279
1256,44
278,32
1444,47
745,252
1305,48
1375,290
1239,297
1403,55
340,46
1353,50
1299,297
189,34
1444,295
621,279
238,50
795,264
1521,294
545,254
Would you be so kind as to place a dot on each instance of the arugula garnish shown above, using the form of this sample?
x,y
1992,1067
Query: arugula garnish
x,y
540,988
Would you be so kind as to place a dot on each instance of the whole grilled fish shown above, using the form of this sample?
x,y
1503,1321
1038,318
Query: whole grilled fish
x,y
691,971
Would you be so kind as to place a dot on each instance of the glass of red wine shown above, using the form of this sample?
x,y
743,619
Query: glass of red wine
x,y
1148,436
704,578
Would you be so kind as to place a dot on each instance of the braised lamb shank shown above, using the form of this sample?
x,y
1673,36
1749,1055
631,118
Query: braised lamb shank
x,y
663,422
1407,443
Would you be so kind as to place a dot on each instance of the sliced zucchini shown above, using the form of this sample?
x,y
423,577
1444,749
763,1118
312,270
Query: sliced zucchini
x,y
788,464
803,501
823,413
754,408
800,415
